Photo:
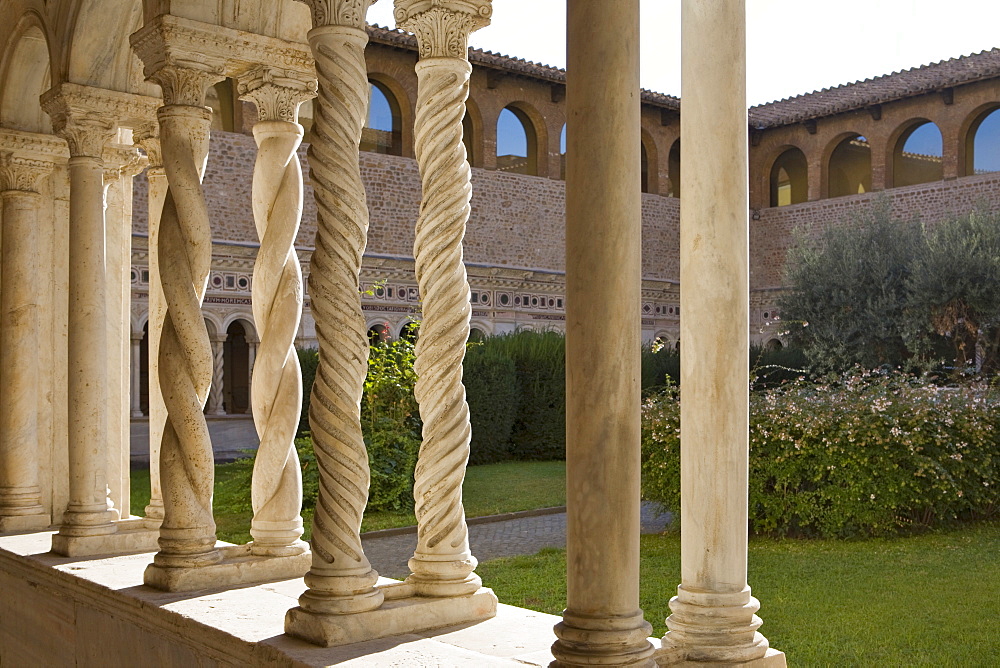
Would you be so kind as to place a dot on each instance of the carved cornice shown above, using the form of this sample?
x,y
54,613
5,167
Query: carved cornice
x,y
443,27
22,174
221,52
124,109
33,145
349,13
277,93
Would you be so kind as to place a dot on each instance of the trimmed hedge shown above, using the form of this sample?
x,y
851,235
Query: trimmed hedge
x,y
493,392
865,454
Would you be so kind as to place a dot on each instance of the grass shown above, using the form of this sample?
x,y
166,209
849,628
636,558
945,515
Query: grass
x,y
490,489
924,600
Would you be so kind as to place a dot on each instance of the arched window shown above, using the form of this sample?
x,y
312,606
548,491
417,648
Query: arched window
x,y
236,370
383,130
476,334
850,167
517,146
916,157
982,153
773,345
562,153
674,168
790,178
376,334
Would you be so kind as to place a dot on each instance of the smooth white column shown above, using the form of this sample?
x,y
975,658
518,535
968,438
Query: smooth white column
x,y
136,384
89,512
20,332
442,564
276,379
602,624
713,616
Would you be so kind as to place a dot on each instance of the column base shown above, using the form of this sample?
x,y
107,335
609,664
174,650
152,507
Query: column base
x,y
238,567
605,640
772,659
39,520
403,612
132,535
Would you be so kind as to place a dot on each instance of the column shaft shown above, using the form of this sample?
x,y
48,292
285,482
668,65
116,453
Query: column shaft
x,y
157,309
136,385
20,333
215,403
88,382
602,623
713,614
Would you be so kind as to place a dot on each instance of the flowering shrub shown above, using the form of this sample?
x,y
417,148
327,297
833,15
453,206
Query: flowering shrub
x,y
862,454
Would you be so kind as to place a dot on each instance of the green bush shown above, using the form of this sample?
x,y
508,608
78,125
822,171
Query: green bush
x,y
659,363
492,390
865,454
770,368
308,361
539,358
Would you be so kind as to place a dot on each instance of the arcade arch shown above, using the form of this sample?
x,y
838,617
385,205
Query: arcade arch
x,y
982,142
789,178
517,141
674,169
383,131
26,75
849,170
917,154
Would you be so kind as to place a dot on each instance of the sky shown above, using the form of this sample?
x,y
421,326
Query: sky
x,y
793,46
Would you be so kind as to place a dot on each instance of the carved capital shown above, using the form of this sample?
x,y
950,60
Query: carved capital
x,y
184,85
147,137
443,27
74,100
277,93
85,128
122,161
22,174
349,13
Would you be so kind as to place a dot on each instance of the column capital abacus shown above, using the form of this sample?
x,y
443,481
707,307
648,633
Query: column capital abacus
x,y
85,131
22,174
122,161
349,13
277,93
83,115
443,27
147,137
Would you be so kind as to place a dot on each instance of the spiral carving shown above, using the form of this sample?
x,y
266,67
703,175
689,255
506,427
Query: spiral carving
x,y
187,535
442,546
340,567
276,492
218,375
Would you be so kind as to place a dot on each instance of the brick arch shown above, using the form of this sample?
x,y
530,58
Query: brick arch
x,y
893,147
537,131
967,133
772,157
652,177
827,155
472,127
401,105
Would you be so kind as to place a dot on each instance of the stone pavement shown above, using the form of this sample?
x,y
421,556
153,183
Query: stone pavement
x,y
491,538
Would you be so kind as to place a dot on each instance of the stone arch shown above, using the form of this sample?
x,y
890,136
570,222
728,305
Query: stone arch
x,y
237,365
472,133
788,176
773,344
213,324
26,73
379,327
674,169
848,165
971,137
481,326
98,52
914,157
385,134
650,168
408,329
535,141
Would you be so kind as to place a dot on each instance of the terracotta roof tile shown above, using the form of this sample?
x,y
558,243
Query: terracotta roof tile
x,y
507,63
878,90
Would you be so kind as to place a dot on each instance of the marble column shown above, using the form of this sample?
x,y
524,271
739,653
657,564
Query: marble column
x,y
148,138
215,402
341,579
442,564
88,514
276,379
20,332
252,344
713,618
135,388
184,244
602,624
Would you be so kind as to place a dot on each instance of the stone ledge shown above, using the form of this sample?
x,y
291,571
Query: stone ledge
x,y
131,535
238,568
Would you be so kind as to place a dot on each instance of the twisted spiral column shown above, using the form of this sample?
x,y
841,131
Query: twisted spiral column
x,y
341,579
218,375
187,534
442,564
276,491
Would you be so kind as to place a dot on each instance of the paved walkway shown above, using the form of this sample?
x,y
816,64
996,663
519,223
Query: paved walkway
x,y
491,540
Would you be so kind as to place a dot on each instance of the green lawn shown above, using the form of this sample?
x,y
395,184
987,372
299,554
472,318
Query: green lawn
x,y
931,600
489,490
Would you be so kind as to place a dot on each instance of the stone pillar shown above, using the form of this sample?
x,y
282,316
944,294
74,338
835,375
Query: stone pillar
x,y
251,360
713,618
276,379
88,514
215,403
341,579
135,388
602,623
442,564
20,333
184,243
149,139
